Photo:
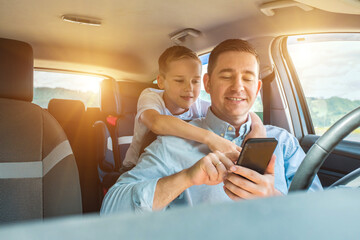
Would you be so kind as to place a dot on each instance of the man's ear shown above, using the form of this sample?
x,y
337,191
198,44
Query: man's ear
x,y
207,84
160,81
259,86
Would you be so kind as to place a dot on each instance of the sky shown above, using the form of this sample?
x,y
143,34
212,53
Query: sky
x,y
328,69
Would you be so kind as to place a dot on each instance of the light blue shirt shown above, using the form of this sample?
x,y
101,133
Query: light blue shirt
x,y
134,190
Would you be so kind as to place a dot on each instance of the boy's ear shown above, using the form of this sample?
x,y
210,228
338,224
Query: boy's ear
x,y
160,81
206,80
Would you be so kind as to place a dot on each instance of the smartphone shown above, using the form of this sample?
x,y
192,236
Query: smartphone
x,y
256,153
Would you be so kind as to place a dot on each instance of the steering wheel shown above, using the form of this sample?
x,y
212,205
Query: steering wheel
x,y
319,151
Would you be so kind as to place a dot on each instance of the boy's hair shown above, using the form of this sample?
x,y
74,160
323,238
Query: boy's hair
x,y
237,45
175,53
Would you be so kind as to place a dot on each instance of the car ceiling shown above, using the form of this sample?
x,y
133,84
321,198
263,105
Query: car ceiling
x,y
134,33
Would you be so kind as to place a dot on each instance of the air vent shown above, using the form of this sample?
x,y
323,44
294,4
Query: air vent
x,y
81,20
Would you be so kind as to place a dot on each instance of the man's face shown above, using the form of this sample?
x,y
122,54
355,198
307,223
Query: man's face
x,y
182,84
233,86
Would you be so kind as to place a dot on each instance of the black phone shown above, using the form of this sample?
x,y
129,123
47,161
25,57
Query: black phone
x,y
256,153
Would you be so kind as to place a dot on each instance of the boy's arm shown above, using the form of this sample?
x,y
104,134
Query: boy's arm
x,y
170,125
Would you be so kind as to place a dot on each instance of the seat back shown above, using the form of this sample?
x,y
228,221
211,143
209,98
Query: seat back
x,y
38,172
72,118
70,115
119,103
105,157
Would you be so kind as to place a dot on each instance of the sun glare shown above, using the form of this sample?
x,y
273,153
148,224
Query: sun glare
x,y
77,82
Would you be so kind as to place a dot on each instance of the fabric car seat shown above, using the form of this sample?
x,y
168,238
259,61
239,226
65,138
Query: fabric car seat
x,y
72,117
38,172
105,157
119,106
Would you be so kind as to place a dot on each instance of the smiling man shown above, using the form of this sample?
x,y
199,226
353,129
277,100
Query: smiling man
x,y
175,171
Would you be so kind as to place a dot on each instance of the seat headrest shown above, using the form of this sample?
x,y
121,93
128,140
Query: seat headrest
x,y
66,111
110,98
16,70
129,94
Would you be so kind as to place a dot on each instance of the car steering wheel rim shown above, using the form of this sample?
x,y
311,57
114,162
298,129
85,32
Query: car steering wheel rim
x,y
320,150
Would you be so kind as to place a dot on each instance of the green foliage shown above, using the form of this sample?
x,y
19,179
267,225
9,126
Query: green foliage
x,y
325,112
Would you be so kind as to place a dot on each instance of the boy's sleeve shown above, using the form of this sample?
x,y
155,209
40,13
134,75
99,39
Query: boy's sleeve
x,y
149,100
204,106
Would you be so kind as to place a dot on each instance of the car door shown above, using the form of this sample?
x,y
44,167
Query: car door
x,y
318,77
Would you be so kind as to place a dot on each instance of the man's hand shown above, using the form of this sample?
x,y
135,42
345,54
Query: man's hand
x,y
209,170
250,184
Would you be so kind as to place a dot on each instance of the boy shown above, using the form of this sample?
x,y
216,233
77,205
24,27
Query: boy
x,y
166,111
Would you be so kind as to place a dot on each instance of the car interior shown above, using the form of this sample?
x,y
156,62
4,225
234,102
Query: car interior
x,y
59,158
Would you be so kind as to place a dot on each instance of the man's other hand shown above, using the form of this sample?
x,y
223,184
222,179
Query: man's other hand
x,y
244,183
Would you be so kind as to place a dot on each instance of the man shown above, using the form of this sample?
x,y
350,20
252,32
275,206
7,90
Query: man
x,y
175,171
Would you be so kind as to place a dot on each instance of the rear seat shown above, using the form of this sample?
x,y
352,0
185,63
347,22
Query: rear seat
x,y
70,115
77,124
104,157
119,105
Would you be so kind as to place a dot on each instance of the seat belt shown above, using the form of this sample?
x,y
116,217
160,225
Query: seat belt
x,y
267,96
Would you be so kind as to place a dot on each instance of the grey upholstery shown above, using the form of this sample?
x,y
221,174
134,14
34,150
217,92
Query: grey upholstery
x,y
16,60
71,116
38,173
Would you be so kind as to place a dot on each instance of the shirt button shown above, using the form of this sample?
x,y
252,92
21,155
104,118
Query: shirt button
x,y
222,134
230,128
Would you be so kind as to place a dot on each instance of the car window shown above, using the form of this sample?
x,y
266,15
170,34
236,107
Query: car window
x,y
257,107
48,85
328,68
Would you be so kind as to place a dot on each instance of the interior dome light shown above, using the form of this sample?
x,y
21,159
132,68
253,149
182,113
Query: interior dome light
x,y
81,20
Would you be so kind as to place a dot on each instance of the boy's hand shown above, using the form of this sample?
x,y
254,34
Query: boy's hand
x,y
257,128
217,143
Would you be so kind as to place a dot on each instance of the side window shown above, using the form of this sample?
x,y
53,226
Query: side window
x,y
48,85
257,107
204,61
328,68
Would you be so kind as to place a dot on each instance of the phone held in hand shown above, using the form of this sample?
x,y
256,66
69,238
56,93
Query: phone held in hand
x,y
256,153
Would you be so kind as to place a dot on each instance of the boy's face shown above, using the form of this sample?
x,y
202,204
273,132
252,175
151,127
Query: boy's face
x,y
181,84
233,86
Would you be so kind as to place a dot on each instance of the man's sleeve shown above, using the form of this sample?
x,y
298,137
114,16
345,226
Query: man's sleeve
x,y
293,157
134,190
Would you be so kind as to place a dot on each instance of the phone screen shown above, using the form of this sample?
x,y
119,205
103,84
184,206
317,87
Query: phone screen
x,y
256,153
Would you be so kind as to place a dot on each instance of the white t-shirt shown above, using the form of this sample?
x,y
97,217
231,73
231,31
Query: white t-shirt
x,y
152,98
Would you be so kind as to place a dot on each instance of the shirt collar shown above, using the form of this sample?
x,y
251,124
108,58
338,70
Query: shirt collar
x,y
225,129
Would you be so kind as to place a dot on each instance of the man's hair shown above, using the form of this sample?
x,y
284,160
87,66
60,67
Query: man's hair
x,y
175,53
237,45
